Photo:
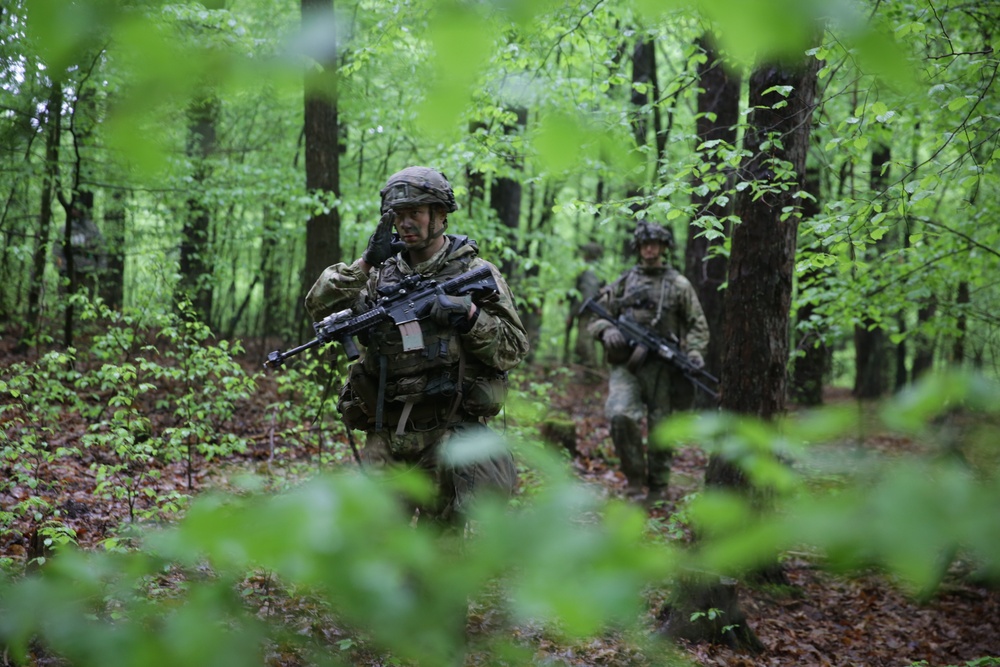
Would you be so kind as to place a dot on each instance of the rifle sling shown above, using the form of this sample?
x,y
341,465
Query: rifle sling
x,y
383,367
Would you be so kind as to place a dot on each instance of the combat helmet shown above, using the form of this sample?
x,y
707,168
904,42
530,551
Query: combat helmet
x,y
415,186
650,231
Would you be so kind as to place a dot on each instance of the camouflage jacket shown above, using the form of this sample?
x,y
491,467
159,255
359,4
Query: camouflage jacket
x,y
418,385
659,298
497,339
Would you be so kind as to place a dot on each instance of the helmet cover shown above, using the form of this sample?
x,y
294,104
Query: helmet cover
x,y
646,232
415,186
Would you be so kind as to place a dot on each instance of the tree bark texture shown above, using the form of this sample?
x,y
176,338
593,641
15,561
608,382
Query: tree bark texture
x,y
708,611
113,280
814,356
761,264
322,140
923,352
755,350
718,115
506,194
195,249
871,361
53,123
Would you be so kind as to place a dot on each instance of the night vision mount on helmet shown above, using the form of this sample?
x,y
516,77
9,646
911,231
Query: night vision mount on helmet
x,y
415,186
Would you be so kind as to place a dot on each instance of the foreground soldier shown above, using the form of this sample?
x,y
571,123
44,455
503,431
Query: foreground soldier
x,y
411,401
659,298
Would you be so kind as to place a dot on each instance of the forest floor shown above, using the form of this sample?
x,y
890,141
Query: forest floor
x,y
822,619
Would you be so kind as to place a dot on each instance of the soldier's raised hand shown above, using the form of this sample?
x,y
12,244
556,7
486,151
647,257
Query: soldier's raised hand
x,y
380,243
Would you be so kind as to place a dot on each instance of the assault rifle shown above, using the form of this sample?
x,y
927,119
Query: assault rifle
x,y
668,349
404,303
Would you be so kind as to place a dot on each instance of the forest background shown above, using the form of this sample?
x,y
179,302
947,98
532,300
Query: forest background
x,y
828,168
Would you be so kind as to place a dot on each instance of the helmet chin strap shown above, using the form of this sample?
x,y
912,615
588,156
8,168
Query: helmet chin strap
x,y
432,235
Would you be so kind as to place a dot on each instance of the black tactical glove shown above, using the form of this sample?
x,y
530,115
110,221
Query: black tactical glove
x,y
380,244
452,311
613,339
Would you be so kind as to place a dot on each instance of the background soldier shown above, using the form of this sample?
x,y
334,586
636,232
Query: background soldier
x,y
410,403
89,255
588,284
656,296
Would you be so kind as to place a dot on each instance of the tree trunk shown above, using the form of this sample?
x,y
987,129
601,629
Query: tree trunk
x,y
870,343
643,82
195,251
506,194
718,115
53,123
962,300
761,268
475,179
813,360
113,280
322,138
923,353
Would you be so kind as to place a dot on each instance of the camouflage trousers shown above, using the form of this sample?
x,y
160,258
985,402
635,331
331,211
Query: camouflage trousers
x,y
653,392
457,485
585,347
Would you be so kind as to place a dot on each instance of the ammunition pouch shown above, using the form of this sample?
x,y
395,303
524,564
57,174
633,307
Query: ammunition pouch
x,y
484,397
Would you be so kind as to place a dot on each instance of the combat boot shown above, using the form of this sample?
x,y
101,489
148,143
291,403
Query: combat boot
x,y
659,472
627,438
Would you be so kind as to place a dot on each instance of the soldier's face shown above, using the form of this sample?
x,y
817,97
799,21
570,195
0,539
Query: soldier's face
x,y
415,224
650,252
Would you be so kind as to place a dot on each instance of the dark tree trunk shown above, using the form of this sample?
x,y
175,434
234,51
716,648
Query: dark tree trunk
x,y
755,327
718,115
77,210
53,126
962,324
870,343
322,139
761,264
813,360
475,178
195,251
505,197
113,278
923,353
643,82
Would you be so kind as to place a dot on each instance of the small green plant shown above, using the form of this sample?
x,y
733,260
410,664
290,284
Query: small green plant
x,y
34,397
209,383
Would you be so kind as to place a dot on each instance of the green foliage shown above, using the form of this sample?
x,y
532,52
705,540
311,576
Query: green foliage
x,y
345,539
34,399
112,387
911,517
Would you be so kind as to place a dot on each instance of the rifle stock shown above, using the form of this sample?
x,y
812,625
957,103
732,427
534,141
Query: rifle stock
x,y
404,303
668,350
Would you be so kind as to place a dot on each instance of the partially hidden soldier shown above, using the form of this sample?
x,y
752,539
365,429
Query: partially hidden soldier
x,y
656,296
89,254
588,284
411,402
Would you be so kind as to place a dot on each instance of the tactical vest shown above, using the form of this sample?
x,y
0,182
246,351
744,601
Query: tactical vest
x,y
648,297
420,389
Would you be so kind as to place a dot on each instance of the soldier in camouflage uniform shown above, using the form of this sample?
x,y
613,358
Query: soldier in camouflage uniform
x,y
410,403
588,284
656,296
